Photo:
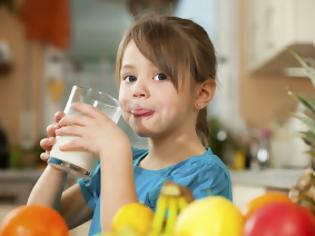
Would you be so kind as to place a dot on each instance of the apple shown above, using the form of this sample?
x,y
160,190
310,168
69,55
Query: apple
x,y
280,219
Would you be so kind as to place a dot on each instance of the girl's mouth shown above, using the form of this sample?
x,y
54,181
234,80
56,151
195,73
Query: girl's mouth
x,y
141,112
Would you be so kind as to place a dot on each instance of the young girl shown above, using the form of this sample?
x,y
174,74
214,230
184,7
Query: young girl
x,y
166,68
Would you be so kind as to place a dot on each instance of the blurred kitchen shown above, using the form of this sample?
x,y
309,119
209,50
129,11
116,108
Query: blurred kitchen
x,y
46,46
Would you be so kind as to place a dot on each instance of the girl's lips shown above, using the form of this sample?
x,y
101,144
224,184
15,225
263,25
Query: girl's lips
x,y
142,112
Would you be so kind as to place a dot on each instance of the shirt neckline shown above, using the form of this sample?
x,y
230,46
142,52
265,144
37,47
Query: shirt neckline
x,y
208,150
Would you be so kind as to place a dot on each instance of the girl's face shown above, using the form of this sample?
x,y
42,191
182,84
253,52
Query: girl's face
x,y
151,104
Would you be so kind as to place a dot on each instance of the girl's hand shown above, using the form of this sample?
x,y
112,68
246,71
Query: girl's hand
x,y
96,132
47,143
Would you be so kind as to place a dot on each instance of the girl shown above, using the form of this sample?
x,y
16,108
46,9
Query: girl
x,y
166,68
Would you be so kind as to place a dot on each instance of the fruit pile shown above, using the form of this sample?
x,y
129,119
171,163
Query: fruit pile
x,y
177,214
271,214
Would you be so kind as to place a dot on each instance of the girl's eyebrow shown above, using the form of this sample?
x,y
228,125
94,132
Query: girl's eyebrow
x,y
127,66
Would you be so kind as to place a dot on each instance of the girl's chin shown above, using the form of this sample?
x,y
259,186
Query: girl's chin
x,y
143,133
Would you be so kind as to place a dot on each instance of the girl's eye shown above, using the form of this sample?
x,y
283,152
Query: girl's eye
x,y
160,76
130,78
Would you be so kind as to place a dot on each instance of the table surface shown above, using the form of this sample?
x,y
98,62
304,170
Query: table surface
x,y
270,177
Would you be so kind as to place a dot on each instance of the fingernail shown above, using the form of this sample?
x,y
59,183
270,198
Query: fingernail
x,y
42,156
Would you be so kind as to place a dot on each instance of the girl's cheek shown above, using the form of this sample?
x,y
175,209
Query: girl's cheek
x,y
123,102
123,95
126,117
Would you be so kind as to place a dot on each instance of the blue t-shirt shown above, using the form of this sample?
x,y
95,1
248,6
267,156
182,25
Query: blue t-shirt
x,y
204,175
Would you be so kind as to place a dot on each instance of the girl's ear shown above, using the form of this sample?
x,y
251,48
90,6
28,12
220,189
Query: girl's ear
x,y
205,92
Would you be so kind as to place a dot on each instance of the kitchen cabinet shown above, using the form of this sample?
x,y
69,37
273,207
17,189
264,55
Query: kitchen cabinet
x,y
275,26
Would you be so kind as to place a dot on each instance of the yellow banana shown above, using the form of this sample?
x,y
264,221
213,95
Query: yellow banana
x,y
182,203
159,215
172,215
170,204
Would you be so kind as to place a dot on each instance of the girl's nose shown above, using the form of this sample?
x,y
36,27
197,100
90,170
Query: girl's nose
x,y
140,90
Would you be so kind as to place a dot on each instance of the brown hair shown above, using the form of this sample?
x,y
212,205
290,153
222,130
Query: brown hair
x,y
179,47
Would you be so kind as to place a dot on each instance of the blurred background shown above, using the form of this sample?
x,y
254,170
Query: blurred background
x,y
46,46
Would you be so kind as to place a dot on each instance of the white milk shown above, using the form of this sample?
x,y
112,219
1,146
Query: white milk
x,y
82,159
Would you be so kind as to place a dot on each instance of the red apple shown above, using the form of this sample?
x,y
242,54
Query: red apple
x,y
280,219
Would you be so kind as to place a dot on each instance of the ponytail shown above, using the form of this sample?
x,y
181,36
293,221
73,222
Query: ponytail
x,y
202,128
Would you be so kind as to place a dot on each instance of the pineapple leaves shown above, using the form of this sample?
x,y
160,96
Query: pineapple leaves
x,y
311,153
309,122
309,138
310,71
307,102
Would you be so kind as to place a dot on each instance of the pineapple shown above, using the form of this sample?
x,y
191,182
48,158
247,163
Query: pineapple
x,y
303,192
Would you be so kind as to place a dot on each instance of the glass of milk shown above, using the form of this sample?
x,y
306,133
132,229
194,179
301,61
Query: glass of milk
x,y
81,163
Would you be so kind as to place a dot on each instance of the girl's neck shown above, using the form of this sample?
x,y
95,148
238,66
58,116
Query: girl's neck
x,y
171,149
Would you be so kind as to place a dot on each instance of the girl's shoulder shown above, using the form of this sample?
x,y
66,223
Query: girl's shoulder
x,y
204,175
205,167
207,160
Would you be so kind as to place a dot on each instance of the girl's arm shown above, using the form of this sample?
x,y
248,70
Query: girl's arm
x,y
117,183
48,191
101,136
48,188
74,208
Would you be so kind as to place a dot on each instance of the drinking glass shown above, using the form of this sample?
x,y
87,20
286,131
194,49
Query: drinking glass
x,y
81,163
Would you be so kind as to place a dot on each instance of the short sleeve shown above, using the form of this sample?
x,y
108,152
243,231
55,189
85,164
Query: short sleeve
x,y
90,187
204,179
212,181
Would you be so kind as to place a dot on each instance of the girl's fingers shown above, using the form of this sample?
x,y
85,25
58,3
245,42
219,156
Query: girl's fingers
x,y
51,130
59,115
44,156
71,130
74,119
47,143
86,109
52,127
74,145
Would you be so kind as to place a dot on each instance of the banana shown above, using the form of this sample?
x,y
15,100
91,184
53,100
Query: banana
x,y
170,204
160,214
172,215
182,203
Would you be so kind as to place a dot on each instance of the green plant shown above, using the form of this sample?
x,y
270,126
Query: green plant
x,y
303,193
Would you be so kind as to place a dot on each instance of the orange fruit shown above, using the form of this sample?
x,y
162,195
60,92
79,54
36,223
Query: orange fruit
x,y
265,199
134,216
215,216
33,220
